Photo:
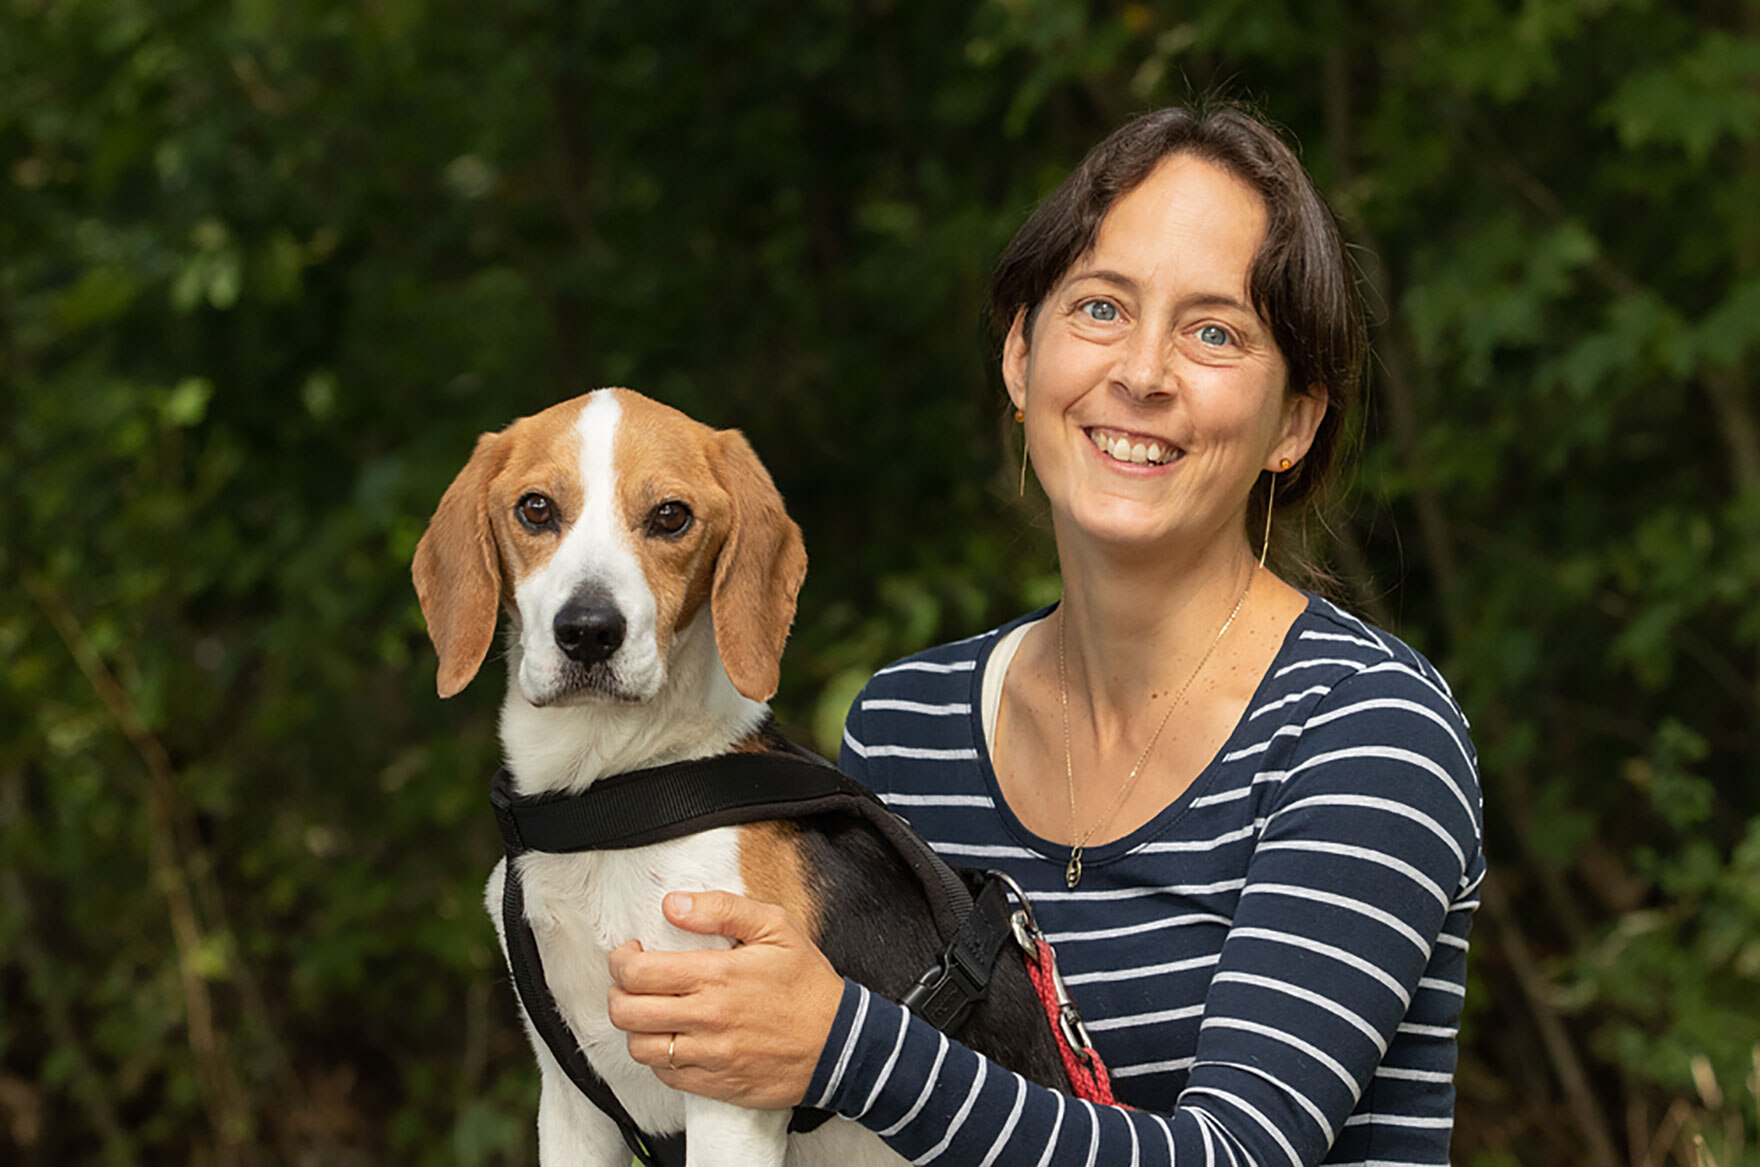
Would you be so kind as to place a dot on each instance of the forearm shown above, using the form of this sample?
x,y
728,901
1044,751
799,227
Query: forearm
x,y
931,1100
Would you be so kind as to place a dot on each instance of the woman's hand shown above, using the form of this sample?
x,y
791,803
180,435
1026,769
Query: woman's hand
x,y
745,1024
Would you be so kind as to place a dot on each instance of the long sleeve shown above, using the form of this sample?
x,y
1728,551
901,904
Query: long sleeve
x,y
1328,1024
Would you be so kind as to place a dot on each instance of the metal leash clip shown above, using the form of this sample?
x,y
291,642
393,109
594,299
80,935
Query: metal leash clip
x,y
1028,935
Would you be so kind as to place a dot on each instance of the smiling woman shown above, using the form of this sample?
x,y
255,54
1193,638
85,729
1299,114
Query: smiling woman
x,y
1249,821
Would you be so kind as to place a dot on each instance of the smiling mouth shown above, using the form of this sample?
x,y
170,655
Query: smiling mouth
x,y
1133,448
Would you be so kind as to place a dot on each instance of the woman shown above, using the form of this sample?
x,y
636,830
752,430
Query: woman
x,y
1249,822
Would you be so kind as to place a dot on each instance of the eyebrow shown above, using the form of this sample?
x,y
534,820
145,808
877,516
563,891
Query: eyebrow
x,y
1202,300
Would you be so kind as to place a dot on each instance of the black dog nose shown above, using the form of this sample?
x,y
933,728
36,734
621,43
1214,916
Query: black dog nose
x,y
589,633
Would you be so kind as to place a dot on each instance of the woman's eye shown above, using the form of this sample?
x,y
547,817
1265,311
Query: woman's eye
x,y
536,510
669,518
1101,311
1214,335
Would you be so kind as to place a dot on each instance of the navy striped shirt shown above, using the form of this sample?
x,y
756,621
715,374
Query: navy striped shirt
x,y
1273,967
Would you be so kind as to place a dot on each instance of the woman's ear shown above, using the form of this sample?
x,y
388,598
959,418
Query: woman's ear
x,y
1303,413
1016,359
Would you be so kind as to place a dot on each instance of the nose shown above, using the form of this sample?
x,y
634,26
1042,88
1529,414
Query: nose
x,y
589,632
1142,369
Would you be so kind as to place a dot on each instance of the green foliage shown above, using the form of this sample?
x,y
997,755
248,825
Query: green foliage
x,y
267,269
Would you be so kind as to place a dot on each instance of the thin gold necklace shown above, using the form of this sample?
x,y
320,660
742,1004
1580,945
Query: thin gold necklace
x,y
1072,874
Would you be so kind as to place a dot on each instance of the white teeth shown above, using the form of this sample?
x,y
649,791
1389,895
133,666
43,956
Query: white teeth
x,y
1139,453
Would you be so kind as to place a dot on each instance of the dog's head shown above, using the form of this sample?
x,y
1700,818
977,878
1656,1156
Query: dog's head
x,y
605,525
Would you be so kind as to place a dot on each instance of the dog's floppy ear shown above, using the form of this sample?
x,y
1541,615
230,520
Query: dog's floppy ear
x,y
758,573
457,571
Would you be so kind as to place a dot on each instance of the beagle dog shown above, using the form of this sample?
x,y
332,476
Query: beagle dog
x,y
649,574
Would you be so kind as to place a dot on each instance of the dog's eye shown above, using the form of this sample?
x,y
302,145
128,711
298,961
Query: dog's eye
x,y
536,510
669,518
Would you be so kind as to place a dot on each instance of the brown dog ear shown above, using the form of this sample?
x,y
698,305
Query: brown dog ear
x,y
758,573
457,571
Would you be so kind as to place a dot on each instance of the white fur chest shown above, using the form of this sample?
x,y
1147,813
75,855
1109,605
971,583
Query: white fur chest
x,y
581,907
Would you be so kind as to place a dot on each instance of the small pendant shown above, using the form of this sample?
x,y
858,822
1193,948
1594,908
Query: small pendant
x,y
1072,874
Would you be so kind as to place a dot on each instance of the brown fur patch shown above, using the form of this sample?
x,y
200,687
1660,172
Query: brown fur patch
x,y
770,863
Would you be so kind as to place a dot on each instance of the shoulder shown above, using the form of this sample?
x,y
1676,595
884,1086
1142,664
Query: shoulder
x,y
946,672
1331,656
921,707
1347,697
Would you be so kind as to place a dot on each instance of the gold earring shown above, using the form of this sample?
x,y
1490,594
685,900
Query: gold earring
x,y
1019,417
1270,494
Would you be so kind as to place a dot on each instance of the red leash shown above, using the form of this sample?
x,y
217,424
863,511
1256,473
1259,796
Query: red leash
x,y
1087,1072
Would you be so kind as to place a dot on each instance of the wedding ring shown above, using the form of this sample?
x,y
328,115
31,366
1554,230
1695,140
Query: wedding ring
x,y
671,1044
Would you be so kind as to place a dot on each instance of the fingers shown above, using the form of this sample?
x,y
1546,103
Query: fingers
x,y
722,913
670,973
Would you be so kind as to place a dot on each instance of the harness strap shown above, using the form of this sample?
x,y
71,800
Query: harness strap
x,y
547,1020
666,802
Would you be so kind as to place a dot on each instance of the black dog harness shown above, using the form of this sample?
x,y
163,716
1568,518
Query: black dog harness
x,y
665,802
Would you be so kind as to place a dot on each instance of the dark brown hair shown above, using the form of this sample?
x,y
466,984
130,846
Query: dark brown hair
x,y
1301,280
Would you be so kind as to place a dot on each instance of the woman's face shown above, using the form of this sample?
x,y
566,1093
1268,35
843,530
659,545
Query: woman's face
x,y
1154,395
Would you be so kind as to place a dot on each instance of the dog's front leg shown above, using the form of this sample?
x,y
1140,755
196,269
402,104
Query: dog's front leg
x,y
571,1130
719,1134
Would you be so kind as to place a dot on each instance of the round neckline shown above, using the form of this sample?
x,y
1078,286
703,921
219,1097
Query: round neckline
x,y
1164,819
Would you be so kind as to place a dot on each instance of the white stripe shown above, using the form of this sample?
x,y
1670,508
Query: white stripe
x,y
923,753
1204,1121
904,1025
1442,986
1311,998
849,1045
960,708
1131,1020
1300,1099
856,747
1136,1150
987,851
1136,929
1138,1071
1347,618
1291,699
1337,901
928,1088
959,1118
1253,1113
928,666
1056,1126
1261,747
1392,862
1289,1039
1223,1137
1382,804
1413,1075
1319,662
1093,1131
1428,1030
1147,970
979,800
1014,1116
1412,1120
1452,941
1296,940
1430,680
1395,703
1349,639
1131,893
1223,839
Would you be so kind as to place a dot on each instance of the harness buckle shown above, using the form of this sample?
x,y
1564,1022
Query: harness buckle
x,y
943,995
